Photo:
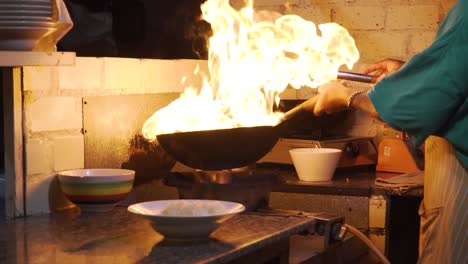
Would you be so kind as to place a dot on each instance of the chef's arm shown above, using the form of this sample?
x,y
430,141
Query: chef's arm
x,y
379,70
334,97
383,68
362,102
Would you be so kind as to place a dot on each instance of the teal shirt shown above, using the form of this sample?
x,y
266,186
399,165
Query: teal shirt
x,y
429,94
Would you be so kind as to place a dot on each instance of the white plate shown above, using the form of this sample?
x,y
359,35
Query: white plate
x,y
181,226
25,18
22,38
25,13
26,2
25,7
27,24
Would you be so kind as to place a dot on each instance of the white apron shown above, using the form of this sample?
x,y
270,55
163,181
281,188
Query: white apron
x,y
443,237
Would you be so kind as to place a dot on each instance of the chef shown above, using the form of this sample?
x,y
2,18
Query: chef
x,y
427,97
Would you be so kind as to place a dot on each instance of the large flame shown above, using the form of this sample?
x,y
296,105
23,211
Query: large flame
x,y
253,57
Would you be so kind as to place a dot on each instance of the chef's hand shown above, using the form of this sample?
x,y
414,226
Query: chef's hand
x,y
332,97
383,68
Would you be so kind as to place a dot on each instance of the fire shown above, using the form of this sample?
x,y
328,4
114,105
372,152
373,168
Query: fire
x,y
253,56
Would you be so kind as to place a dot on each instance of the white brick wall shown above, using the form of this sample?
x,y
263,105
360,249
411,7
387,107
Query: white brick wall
x,y
419,41
318,14
37,78
85,74
259,3
122,74
412,17
37,193
53,112
382,28
376,45
68,152
352,17
38,157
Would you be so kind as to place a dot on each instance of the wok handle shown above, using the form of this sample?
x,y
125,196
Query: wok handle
x,y
305,106
357,77
310,103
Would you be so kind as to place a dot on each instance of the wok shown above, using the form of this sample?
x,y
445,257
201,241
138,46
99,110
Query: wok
x,y
230,148
225,148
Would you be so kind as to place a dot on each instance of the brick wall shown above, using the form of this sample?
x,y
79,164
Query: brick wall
x,y
53,113
381,28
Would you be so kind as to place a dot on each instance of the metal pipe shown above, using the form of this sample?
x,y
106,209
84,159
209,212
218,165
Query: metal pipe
x,y
356,77
368,242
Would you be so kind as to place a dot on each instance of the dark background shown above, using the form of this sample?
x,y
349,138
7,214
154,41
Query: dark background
x,y
2,144
137,29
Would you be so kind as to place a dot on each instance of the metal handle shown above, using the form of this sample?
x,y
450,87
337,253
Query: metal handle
x,y
357,77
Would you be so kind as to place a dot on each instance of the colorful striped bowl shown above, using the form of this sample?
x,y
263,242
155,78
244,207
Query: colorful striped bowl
x,y
96,190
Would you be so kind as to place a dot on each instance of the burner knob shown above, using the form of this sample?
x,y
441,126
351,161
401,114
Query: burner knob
x,y
351,149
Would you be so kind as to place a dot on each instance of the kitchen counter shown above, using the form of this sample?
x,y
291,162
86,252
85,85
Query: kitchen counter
x,y
346,182
121,237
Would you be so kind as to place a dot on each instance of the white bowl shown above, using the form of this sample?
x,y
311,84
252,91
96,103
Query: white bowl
x,y
96,190
186,219
16,12
27,23
22,38
35,2
25,7
26,18
315,164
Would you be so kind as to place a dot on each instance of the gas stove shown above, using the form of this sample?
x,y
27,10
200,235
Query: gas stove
x,y
357,151
242,185
251,185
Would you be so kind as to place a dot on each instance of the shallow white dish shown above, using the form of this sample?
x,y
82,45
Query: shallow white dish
x,y
25,7
26,2
315,164
22,38
26,18
40,13
23,23
174,225
35,2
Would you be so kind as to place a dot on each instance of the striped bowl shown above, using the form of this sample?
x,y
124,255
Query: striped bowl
x,y
96,190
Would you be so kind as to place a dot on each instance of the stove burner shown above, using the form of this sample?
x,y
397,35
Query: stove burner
x,y
244,185
221,176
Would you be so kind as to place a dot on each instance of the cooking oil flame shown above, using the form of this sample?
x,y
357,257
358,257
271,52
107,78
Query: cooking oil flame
x,y
253,57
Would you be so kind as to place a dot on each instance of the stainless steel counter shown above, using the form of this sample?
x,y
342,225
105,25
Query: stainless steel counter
x,y
359,181
121,237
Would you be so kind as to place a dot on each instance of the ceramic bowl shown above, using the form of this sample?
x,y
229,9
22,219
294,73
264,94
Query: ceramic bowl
x,y
21,38
315,164
96,190
186,219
